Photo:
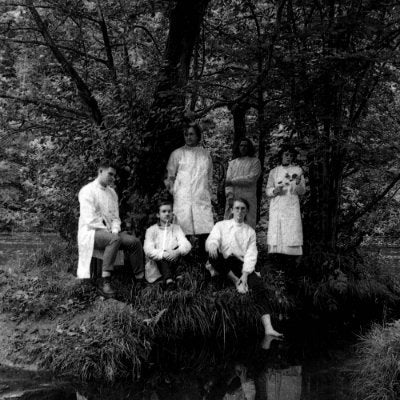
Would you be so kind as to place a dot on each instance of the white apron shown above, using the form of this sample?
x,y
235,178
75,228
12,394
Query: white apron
x,y
284,225
190,170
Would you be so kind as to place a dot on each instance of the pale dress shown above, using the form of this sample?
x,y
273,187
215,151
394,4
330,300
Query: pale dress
x,y
243,173
285,231
189,179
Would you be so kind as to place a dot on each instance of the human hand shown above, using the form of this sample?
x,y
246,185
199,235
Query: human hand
x,y
213,252
171,255
241,284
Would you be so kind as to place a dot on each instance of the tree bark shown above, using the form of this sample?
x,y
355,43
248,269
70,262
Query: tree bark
x,y
166,121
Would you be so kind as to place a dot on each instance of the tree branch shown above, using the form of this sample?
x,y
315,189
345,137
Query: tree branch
x,y
84,92
371,204
38,102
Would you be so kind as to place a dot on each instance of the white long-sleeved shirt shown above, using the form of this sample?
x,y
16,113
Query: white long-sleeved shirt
x,y
159,238
98,210
232,238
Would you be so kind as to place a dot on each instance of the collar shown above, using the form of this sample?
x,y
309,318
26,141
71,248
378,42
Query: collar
x,y
99,185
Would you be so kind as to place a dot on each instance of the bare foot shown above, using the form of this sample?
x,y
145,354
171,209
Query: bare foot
x,y
273,332
267,340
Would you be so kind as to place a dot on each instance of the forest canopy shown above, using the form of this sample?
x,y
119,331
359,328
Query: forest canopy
x,y
82,80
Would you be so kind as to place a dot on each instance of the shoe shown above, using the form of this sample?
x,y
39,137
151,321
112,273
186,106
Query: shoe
x,y
105,289
170,285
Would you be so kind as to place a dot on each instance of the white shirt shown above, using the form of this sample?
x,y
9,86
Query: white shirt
x,y
233,238
159,238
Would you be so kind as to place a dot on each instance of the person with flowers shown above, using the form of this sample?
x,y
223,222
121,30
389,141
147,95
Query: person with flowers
x,y
285,185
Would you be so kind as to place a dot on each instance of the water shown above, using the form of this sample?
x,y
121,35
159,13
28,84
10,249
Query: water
x,y
307,365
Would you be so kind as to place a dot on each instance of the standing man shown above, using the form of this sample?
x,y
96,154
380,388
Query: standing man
x,y
100,228
233,253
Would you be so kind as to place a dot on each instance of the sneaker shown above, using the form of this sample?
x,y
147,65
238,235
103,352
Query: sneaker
x,y
106,290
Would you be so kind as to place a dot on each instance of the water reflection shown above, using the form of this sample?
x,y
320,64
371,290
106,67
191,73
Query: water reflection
x,y
280,372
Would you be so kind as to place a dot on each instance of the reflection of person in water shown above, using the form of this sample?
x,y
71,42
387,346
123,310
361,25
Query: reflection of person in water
x,y
269,376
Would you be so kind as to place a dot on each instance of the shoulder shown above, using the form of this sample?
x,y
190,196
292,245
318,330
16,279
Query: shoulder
x,y
297,169
274,170
222,224
152,228
177,152
249,229
113,192
87,188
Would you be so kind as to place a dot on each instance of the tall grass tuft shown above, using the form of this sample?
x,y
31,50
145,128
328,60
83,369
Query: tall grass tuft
x,y
378,367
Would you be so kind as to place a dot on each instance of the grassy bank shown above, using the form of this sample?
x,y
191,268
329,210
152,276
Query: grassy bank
x,y
378,369
68,329
59,323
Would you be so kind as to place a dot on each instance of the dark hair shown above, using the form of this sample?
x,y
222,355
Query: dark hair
x,y
197,130
242,200
287,147
250,148
106,164
164,202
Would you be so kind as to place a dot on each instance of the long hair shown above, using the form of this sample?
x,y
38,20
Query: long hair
x,y
250,148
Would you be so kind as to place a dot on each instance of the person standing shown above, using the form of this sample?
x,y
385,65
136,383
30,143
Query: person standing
x,y
241,180
100,228
189,178
285,185
232,251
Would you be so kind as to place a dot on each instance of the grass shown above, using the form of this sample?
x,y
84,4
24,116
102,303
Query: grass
x,y
378,368
109,340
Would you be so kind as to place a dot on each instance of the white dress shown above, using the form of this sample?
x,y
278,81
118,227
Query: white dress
x,y
189,176
285,231
243,172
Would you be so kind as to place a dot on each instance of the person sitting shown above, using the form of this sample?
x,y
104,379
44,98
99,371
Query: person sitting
x,y
232,251
165,243
100,228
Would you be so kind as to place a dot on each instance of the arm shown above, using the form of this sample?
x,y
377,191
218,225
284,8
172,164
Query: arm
x,y
213,241
149,245
184,244
172,169
250,257
115,220
251,178
88,214
300,187
210,171
270,185
228,183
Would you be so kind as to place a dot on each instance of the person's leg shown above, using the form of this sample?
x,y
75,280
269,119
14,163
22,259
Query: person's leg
x,y
201,242
133,247
110,243
260,296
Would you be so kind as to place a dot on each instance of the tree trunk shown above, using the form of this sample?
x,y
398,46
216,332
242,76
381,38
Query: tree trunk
x,y
239,124
166,121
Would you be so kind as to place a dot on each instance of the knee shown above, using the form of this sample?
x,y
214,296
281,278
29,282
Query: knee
x,y
115,239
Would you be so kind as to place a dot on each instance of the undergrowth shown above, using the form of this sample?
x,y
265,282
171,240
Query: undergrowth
x,y
378,369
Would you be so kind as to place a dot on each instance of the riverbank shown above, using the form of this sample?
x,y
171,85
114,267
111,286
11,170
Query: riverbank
x,y
53,321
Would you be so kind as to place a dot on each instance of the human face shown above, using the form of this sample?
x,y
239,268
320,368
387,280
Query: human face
x,y
287,158
191,138
107,176
239,211
165,214
243,148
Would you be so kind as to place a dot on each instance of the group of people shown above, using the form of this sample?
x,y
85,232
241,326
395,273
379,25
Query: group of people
x,y
229,246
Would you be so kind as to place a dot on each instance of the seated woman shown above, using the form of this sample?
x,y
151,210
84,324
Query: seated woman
x,y
165,243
